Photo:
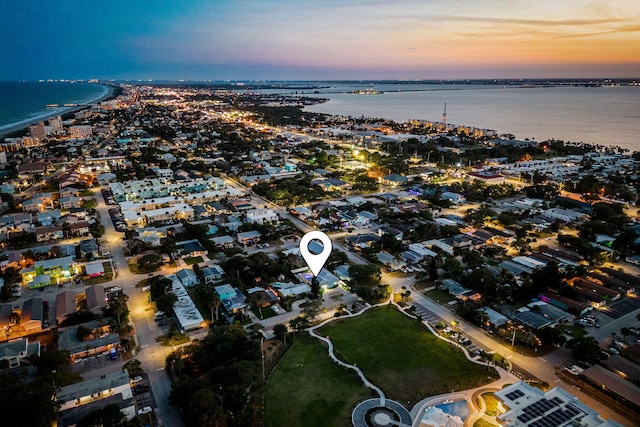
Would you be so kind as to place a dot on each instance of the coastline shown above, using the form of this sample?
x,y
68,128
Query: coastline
x,y
24,124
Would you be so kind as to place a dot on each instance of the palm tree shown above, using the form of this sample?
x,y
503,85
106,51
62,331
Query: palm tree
x,y
215,302
259,300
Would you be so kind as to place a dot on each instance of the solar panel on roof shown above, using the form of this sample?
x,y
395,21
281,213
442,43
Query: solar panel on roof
x,y
514,394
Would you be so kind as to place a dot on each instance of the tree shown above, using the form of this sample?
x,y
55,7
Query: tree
x,y
281,331
299,323
473,259
133,367
312,308
148,263
452,266
586,349
108,416
165,302
364,275
315,288
433,269
625,331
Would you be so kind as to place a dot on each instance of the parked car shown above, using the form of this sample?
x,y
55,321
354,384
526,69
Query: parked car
x,y
142,388
136,379
145,410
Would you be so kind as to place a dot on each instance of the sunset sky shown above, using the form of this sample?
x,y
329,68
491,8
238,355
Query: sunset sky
x,y
328,39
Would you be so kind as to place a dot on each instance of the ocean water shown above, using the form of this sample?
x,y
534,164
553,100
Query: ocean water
x,y
594,115
24,102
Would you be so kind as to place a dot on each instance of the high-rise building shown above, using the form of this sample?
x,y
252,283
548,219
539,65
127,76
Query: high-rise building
x,y
56,124
38,131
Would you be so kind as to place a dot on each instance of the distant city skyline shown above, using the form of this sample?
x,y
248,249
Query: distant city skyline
x,y
302,40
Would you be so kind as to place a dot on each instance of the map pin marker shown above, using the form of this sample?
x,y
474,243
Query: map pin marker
x,y
315,262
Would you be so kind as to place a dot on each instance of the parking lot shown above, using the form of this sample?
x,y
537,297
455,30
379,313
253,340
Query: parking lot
x,y
108,197
117,219
623,306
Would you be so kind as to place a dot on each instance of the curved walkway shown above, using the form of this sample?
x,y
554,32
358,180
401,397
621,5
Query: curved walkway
x,y
419,408
332,355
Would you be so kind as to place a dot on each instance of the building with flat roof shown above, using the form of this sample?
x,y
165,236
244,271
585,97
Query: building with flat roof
x,y
187,316
95,389
524,405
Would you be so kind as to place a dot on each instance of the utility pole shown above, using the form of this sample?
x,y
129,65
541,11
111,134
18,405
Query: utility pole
x,y
262,356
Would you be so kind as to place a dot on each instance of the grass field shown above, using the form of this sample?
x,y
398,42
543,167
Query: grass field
x,y
402,357
193,260
492,404
307,389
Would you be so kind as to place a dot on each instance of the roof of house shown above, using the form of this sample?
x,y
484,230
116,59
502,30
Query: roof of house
x,y
93,385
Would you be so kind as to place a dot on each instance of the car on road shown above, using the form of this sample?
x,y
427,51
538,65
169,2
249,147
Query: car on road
x,y
145,410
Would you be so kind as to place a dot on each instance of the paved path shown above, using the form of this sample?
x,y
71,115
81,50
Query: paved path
x,y
418,409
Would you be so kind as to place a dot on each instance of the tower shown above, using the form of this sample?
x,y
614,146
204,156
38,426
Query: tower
x,y
444,116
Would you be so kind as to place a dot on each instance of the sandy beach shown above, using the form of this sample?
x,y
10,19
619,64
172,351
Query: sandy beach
x,y
23,125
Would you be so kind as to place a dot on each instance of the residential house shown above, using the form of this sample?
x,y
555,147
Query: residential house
x,y
16,351
389,260
212,274
88,248
385,229
232,299
187,316
342,272
69,202
69,192
99,340
95,299
94,269
454,198
66,303
190,248
395,180
187,277
293,290
261,216
262,297
98,392
249,238
51,233
362,241
58,269
223,242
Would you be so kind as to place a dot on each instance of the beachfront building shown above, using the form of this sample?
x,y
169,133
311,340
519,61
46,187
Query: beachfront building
x,y
81,131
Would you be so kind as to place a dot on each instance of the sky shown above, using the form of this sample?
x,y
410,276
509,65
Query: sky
x,y
320,39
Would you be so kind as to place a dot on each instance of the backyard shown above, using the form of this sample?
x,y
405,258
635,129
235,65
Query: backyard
x,y
307,389
402,357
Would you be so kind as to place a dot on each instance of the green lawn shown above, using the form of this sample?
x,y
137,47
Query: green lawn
x,y
492,404
193,260
483,423
439,296
402,357
307,389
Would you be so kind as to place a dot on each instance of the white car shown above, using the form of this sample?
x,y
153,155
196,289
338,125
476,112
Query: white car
x,y
145,410
136,379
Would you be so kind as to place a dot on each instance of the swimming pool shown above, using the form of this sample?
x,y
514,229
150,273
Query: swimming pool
x,y
459,408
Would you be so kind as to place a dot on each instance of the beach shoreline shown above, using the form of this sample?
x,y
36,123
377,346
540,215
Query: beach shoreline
x,y
112,92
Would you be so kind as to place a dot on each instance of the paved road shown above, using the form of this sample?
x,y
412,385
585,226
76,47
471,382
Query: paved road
x,y
541,367
152,356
